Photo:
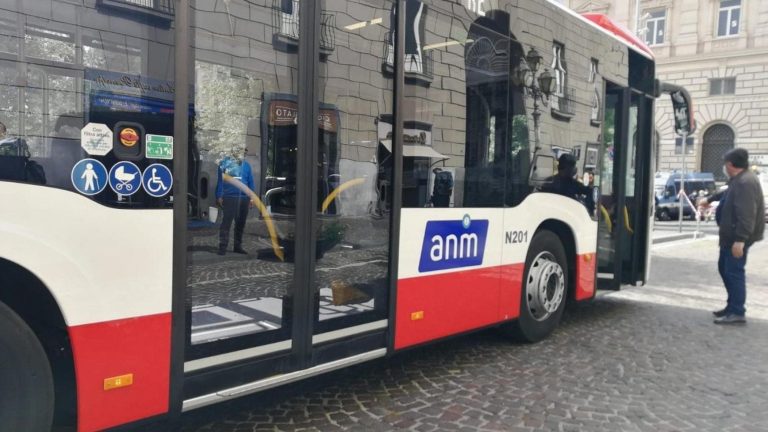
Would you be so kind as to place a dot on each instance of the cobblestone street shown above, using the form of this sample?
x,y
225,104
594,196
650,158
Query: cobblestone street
x,y
643,359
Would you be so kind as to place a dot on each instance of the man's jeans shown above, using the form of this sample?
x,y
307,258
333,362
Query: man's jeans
x,y
234,209
732,271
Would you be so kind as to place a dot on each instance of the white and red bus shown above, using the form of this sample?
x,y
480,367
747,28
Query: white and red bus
x,y
206,199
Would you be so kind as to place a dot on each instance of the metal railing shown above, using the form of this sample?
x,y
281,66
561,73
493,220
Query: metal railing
x,y
563,104
414,64
286,21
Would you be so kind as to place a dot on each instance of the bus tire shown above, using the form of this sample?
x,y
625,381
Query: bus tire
x,y
544,289
26,381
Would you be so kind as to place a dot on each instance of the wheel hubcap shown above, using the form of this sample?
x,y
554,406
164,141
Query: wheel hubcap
x,y
545,286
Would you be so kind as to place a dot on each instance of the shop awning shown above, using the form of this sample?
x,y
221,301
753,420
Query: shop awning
x,y
415,150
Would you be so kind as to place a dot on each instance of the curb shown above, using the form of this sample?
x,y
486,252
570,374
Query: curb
x,y
676,237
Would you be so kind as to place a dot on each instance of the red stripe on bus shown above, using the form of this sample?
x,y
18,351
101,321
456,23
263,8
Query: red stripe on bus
x,y
140,346
435,306
585,276
431,307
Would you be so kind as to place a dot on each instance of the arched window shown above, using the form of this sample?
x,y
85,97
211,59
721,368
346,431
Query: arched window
x,y
717,141
559,72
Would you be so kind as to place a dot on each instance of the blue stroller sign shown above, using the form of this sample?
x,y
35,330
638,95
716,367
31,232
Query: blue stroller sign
x,y
89,177
125,178
157,180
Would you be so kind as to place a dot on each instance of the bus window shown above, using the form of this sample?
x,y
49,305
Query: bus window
x,y
352,276
477,136
242,187
63,92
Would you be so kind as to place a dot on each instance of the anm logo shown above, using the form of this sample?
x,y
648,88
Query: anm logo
x,y
453,244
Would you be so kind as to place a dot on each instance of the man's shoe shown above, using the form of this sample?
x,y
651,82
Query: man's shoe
x,y
720,313
731,319
240,251
221,252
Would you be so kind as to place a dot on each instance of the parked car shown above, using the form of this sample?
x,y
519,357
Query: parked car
x,y
668,208
667,185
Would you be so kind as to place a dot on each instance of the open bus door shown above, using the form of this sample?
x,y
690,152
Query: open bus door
x,y
625,188
626,183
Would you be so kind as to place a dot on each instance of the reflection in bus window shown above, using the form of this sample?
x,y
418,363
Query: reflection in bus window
x,y
245,288
50,89
472,114
352,250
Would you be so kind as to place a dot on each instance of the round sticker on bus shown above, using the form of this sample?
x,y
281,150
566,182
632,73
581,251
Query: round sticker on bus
x,y
125,178
129,137
89,177
157,180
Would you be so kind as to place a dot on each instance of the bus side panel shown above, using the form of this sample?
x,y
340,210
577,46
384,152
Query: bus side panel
x,y
446,288
511,284
436,306
110,273
136,347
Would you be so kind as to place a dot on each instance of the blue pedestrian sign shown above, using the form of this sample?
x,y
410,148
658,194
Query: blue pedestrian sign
x,y
89,177
125,178
157,180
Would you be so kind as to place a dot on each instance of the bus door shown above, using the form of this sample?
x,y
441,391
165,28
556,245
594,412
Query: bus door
x,y
288,267
625,188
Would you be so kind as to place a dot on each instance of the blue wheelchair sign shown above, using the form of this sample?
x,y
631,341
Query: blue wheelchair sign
x,y
157,180
125,178
89,177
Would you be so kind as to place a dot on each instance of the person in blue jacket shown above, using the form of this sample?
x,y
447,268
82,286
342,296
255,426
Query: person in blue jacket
x,y
233,201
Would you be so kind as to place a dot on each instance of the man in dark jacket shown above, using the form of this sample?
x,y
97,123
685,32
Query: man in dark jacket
x,y
565,183
740,216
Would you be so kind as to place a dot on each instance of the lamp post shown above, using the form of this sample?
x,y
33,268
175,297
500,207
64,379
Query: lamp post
x,y
539,87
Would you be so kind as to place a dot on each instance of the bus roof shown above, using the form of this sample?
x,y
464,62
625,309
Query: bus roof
x,y
617,31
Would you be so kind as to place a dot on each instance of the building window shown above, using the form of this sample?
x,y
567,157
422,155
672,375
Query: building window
x,y
729,18
592,70
286,20
722,86
655,27
561,102
558,69
593,74
418,56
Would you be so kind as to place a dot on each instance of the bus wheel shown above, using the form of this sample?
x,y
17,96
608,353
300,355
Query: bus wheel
x,y
26,382
544,289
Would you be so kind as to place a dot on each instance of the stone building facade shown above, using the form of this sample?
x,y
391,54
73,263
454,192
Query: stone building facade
x,y
718,50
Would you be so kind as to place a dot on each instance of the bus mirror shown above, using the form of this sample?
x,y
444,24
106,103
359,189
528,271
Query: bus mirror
x,y
682,107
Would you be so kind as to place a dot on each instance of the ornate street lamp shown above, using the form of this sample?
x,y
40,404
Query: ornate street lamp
x,y
545,82
534,59
539,87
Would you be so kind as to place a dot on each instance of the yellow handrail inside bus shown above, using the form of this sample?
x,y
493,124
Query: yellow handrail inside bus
x,y
626,221
606,217
344,186
264,213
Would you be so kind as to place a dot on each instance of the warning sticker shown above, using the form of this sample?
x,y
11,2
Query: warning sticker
x,y
96,139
